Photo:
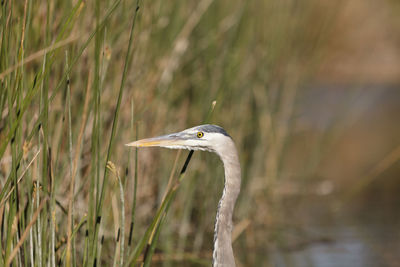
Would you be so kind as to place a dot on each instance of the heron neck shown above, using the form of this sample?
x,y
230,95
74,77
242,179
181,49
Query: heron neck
x,y
223,253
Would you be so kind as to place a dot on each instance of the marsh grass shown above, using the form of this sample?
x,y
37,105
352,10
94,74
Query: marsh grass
x,y
79,79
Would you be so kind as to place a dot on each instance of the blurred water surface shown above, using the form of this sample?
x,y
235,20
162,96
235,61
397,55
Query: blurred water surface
x,y
348,236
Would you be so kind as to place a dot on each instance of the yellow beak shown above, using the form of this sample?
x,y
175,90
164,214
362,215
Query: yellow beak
x,y
160,141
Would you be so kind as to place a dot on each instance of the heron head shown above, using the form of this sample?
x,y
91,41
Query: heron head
x,y
204,137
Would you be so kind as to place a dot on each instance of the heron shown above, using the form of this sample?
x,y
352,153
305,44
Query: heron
x,y
215,139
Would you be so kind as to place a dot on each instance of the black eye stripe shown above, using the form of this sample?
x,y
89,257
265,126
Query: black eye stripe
x,y
209,128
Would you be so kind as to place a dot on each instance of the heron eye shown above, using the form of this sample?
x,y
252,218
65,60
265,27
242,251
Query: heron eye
x,y
200,134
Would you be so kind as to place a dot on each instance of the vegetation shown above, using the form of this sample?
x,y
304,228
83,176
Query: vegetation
x,y
79,79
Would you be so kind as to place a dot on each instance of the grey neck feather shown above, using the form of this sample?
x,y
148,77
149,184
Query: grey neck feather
x,y
223,253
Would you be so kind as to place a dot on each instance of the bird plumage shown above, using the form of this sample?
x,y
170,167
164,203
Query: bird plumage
x,y
215,139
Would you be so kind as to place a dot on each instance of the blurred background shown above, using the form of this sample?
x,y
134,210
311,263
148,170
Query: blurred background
x,y
308,90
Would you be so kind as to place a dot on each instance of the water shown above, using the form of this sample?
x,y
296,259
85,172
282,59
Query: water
x,y
350,239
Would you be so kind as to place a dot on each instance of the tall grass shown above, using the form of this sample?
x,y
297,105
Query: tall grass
x,y
79,79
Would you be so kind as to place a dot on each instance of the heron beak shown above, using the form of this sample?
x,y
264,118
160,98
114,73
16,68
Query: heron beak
x,y
168,140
